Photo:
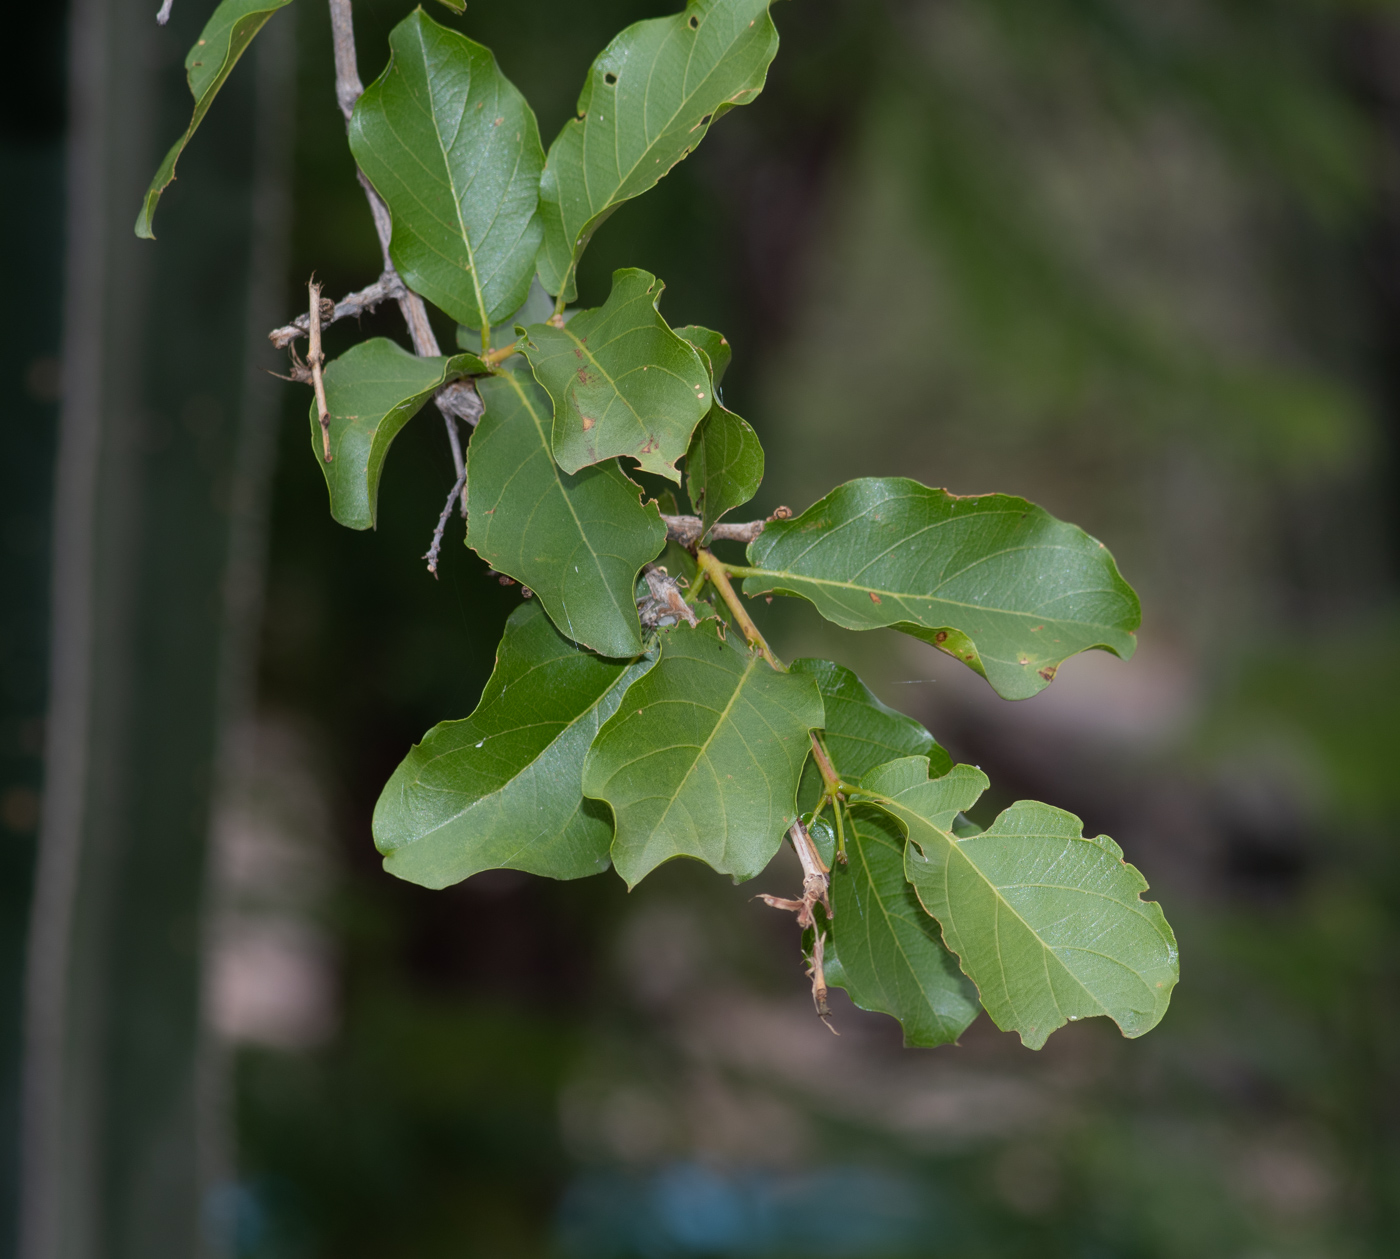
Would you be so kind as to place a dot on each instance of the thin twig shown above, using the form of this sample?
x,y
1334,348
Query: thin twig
x,y
351,306
688,530
715,570
349,89
316,360
164,15
432,555
815,885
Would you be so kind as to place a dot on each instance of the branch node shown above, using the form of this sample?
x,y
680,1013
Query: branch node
x,y
316,359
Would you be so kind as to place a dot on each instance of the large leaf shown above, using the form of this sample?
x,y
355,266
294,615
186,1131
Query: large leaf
x,y
650,97
703,758
577,541
220,44
993,580
1049,925
372,391
504,788
724,465
891,958
622,382
861,731
454,150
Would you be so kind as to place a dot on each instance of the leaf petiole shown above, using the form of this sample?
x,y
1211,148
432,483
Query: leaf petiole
x,y
717,571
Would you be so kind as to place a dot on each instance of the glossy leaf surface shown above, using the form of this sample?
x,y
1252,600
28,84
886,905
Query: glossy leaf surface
x,y
577,541
503,789
892,958
703,758
372,391
621,381
454,150
208,64
724,465
862,731
993,580
1049,925
650,97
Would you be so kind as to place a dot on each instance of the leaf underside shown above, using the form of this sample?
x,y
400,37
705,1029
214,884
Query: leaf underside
x,y
372,391
704,756
577,541
454,150
650,97
892,959
502,789
1050,926
208,64
621,381
993,580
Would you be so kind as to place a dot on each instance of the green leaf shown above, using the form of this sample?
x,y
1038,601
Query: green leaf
x,y
220,44
1050,926
650,97
372,391
622,382
454,150
577,541
714,349
724,465
703,758
993,580
504,788
861,732
892,959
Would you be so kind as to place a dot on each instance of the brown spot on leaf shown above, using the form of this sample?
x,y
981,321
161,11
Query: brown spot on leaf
x,y
1035,629
588,423
874,598
1048,673
941,636
648,446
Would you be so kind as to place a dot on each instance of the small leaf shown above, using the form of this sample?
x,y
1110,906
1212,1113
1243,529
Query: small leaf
x,y
503,789
724,465
220,44
892,959
650,97
703,757
1049,925
862,732
993,580
454,150
622,382
577,541
372,391
714,350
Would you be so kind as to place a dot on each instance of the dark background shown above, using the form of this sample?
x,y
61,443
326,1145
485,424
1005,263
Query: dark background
x,y
1137,264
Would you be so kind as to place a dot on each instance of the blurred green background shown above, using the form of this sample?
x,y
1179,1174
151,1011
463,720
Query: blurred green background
x,y
1139,263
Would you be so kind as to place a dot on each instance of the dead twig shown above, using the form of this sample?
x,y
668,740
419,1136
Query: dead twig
x,y
687,530
432,555
316,360
815,890
352,306
164,15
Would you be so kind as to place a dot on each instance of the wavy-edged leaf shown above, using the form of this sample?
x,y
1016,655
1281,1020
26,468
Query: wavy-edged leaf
x,y
993,580
703,758
862,731
1050,925
454,150
372,391
621,381
225,36
503,789
577,541
892,959
724,465
650,97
